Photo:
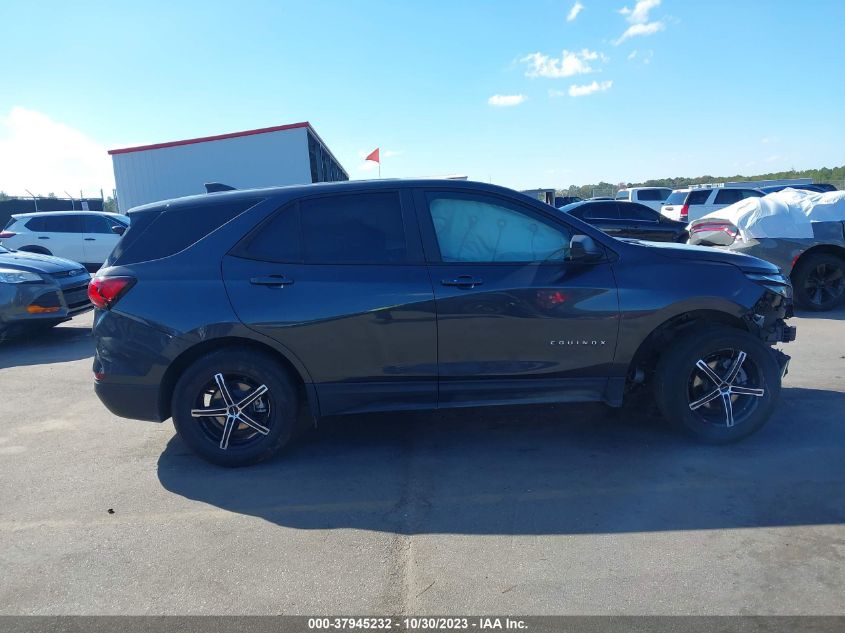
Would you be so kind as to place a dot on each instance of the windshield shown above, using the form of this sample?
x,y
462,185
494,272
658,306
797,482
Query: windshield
x,y
3,249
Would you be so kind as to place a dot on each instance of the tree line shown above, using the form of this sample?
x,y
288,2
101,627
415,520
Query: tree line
x,y
834,176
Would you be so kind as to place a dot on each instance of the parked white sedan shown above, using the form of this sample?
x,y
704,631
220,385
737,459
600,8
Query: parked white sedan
x,y
87,237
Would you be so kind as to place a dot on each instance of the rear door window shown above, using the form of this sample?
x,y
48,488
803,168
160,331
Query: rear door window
x,y
698,196
637,212
728,196
607,211
651,195
56,224
366,228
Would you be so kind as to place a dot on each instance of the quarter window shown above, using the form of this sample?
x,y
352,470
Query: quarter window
x,y
698,197
470,230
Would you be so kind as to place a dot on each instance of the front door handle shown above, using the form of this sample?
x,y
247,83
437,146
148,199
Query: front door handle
x,y
90,239
274,281
43,237
463,281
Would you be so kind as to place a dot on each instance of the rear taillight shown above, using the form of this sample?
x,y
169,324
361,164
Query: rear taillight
x,y
685,212
105,291
4,235
711,227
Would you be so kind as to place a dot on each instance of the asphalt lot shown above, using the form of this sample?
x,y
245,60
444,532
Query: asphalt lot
x,y
541,510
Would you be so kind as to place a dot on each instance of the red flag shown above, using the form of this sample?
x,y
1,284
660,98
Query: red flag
x,y
373,156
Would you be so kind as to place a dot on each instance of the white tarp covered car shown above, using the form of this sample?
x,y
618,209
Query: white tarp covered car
x,y
802,232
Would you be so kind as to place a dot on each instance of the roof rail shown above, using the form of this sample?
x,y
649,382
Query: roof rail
x,y
216,187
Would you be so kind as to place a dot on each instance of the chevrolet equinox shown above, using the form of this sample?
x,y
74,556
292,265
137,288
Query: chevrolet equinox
x,y
233,311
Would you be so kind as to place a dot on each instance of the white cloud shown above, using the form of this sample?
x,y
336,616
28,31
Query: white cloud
x,y
574,11
588,89
635,30
503,101
639,14
44,156
644,57
570,63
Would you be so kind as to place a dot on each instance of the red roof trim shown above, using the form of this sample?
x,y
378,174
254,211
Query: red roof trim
x,y
218,137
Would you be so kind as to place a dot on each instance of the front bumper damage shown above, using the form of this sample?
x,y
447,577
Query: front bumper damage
x,y
767,319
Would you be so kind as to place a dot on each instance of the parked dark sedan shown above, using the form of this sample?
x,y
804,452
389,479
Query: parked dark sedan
x,y
39,291
628,219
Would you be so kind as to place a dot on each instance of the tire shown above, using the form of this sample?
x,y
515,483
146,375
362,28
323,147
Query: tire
x,y
244,373
818,282
681,385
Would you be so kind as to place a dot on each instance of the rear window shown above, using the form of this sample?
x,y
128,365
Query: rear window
x,y
677,197
624,195
698,197
164,231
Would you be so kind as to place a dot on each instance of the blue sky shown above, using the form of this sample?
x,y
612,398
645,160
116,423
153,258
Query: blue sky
x,y
717,87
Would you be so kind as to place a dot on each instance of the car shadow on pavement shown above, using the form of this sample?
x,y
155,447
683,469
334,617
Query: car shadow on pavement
x,y
42,347
568,469
833,315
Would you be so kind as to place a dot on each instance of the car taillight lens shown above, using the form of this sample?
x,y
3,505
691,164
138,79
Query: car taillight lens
x,y
685,212
730,229
105,291
6,234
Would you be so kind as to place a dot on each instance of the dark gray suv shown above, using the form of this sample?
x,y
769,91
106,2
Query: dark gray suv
x,y
232,312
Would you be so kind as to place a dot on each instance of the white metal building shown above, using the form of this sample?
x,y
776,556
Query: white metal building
x,y
282,155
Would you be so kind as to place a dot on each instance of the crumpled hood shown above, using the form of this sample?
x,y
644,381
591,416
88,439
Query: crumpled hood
x,y
37,263
709,254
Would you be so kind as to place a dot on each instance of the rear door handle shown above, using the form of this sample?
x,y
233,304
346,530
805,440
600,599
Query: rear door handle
x,y
90,239
463,281
276,281
43,237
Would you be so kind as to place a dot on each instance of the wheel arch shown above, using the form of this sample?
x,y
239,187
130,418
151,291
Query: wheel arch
x,y
35,248
645,358
819,249
304,388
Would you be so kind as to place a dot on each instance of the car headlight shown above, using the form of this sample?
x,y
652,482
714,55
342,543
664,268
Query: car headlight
x,y
12,276
775,282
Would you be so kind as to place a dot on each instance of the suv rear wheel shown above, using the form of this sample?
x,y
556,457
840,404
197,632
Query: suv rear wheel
x,y
719,384
234,408
819,281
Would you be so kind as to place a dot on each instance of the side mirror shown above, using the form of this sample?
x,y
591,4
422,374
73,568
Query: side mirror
x,y
119,229
583,248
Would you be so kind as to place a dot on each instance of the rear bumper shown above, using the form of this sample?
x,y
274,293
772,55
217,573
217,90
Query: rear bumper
x,y
138,402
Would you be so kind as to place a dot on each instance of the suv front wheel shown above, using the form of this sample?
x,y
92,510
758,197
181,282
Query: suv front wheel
x,y
234,408
719,384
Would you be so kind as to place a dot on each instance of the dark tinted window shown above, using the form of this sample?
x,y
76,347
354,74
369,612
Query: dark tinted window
x,y
164,231
699,196
751,193
278,240
97,224
357,228
633,211
55,224
599,211
728,196
677,197
652,195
